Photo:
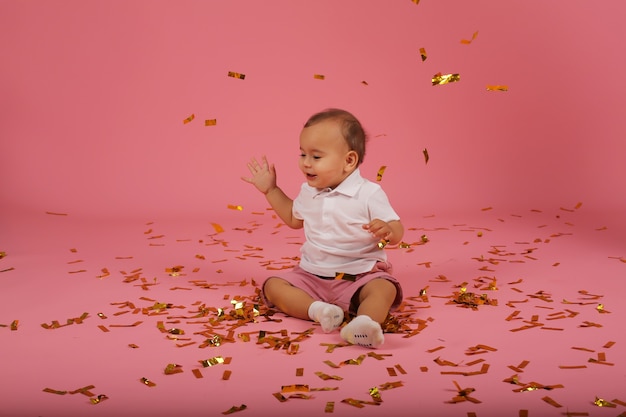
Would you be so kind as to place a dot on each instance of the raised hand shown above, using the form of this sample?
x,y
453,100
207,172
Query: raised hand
x,y
263,175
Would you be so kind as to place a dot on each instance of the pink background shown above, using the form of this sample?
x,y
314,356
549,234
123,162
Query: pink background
x,y
94,95
93,98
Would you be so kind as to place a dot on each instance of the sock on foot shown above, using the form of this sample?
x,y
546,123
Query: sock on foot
x,y
329,316
363,331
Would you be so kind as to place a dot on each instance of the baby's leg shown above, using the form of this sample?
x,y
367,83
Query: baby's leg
x,y
289,299
375,299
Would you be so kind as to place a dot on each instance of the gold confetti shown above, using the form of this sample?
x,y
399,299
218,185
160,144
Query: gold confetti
x,y
415,1
14,324
234,207
174,271
172,369
54,391
468,41
604,403
319,76
381,171
382,243
189,119
551,402
440,79
212,361
56,214
423,54
210,122
491,87
217,227
98,399
234,409
147,382
426,157
2,254
236,75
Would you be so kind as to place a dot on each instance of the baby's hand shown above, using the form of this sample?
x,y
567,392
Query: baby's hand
x,y
379,229
263,175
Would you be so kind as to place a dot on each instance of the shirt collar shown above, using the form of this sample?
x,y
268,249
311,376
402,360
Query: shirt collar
x,y
348,187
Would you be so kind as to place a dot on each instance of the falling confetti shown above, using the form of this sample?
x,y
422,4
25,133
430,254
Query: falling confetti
x,y
440,79
423,54
497,88
468,41
236,75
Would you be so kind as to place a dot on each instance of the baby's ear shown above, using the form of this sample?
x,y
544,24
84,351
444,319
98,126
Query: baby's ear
x,y
352,159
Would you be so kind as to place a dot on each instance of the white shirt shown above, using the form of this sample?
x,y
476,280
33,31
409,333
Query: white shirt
x,y
333,226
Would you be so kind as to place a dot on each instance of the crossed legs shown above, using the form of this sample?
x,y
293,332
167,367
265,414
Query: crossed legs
x,y
374,301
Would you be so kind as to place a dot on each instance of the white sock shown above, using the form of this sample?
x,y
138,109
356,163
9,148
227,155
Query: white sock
x,y
328,315
363,331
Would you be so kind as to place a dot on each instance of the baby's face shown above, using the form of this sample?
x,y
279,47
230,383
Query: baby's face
x,y
324,155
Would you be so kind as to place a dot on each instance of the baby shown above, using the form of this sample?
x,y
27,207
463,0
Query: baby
x,y
347,221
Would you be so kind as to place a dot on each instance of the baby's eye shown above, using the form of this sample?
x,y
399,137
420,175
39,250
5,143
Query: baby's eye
x,y
316,157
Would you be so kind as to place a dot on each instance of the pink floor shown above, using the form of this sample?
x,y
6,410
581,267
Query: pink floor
x,y
98,304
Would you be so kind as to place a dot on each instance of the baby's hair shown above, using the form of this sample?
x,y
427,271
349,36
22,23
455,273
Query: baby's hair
x,y
351,128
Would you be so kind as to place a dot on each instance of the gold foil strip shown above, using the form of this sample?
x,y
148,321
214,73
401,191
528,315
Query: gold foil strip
x,y
226,374
98,399
353,402
326,377
440,79
426,157
236,75
235,207
319,76
189,119
210,122
14,325
84,390
604,403
294,388
216,360
54,391
234,409
299,371
217,227
551,402
381,171
197,373
375,394
55,213
147,382
330,407
172,369
423,54
468,41
415,1
493,87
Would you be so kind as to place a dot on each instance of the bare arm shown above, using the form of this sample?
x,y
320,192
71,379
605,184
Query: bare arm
x,y
264,179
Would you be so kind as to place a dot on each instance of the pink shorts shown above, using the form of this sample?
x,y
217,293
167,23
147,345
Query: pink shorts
x,y
337,291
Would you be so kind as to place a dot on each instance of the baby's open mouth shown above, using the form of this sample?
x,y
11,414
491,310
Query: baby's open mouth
x,y
311,176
